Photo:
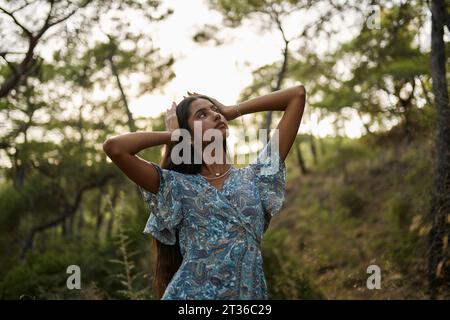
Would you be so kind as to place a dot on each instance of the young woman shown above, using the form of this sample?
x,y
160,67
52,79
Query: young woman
x,y
207,218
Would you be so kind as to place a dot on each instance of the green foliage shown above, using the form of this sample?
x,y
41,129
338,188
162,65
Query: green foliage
x,y
351,199
406,244
128,277
342,154
42,275
108,271
12,206
285,277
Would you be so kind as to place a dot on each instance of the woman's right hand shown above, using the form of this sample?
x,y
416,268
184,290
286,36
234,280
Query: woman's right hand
x,y
171,118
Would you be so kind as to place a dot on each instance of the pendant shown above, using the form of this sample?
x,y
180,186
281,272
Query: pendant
x,y
217,174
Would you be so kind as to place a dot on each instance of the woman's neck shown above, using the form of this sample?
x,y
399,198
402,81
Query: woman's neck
x,y
214,169
215,166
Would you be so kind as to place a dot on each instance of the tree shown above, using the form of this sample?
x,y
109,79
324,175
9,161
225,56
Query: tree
x,y
388,71
439,251
55,124
270,15
58,12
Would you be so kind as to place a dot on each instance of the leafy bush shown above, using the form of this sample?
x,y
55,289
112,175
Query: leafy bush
x,y
285,278
350,199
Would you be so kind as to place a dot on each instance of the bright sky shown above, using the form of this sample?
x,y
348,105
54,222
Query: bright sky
x,y
216,71
221,72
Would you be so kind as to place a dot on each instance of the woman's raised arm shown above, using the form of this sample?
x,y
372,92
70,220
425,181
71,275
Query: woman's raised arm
x,y
291,101
122,149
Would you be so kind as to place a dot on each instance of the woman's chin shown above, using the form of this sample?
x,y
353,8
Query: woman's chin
x,y
224,131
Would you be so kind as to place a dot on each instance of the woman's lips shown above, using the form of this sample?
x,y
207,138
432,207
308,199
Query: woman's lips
x,y
221,125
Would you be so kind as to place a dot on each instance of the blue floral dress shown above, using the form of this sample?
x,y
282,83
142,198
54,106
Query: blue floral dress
x,y
219,231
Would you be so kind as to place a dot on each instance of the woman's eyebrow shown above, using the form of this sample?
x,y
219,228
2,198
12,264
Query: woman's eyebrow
x,y
203,109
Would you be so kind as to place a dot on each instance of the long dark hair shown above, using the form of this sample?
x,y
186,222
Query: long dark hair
x,y
168,257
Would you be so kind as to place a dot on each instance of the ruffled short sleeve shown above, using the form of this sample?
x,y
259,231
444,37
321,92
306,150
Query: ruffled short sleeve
x,y
165,211
270,178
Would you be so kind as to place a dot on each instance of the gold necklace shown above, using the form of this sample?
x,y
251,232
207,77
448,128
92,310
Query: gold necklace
x,y
217,174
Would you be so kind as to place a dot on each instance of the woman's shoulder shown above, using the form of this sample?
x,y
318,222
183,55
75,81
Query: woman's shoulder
x,y
175,180
185,181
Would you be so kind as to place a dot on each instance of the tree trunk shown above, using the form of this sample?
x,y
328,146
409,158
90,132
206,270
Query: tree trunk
x,y
123,97
112,204
301,161
312,146
99,217
407,114
80,224
280,78
438,254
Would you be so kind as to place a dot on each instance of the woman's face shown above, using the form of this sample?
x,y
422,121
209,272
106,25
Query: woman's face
x,y
204,112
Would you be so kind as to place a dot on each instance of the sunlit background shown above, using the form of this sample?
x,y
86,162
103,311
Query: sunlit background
x,y
223,71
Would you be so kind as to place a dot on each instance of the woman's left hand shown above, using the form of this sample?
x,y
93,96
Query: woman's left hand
x,y
228,111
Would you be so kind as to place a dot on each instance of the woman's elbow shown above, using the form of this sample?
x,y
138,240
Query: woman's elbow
x,y
110,147
301,90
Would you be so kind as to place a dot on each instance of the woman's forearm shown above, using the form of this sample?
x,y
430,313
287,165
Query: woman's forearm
x,y
274,101
133,142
